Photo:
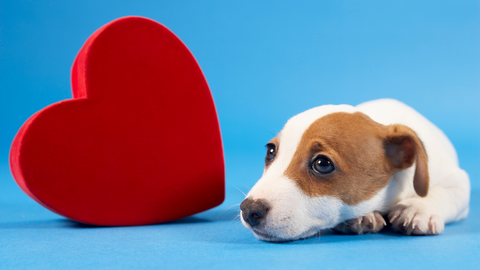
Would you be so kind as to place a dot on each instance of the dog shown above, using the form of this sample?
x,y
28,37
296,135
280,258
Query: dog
x,y
352,169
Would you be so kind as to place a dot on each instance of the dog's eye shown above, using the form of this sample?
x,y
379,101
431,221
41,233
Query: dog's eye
x,y
271,152
322,165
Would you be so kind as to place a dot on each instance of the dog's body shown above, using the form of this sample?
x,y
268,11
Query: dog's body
x,y
347,168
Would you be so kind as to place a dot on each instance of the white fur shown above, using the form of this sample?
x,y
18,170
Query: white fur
x,y
294,215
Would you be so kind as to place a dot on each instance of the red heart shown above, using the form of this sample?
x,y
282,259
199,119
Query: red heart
x,y
139,143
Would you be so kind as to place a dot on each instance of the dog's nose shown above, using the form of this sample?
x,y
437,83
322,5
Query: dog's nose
x,y
254,211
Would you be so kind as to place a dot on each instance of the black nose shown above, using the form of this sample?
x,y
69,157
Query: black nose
x,y
254,211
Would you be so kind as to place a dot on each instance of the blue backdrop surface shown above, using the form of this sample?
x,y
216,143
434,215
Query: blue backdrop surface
x,y
265,62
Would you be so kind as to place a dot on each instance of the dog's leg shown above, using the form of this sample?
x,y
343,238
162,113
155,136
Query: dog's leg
x,y
428,215
371,223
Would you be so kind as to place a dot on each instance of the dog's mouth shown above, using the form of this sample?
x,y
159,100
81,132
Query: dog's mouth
x,y
270,238
267,237
264,236
280,234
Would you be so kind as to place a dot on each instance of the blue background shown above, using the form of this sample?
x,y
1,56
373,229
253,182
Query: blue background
x,y
265,61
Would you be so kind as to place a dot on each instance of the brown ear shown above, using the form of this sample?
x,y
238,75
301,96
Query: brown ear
x,y
403,148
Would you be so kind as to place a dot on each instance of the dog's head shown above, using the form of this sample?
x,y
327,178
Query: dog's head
x,y
328,165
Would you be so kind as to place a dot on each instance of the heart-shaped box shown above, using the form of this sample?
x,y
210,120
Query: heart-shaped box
x,y
140,141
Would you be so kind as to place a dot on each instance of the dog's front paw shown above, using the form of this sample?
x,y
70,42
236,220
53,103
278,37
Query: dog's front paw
x,y
371,223
414,217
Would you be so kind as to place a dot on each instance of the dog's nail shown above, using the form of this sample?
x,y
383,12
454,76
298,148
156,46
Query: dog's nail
x,y
384,223
411,228
392,219
370,219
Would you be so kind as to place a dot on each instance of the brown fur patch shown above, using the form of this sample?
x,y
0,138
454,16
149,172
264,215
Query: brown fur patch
x,y
356,145
403,149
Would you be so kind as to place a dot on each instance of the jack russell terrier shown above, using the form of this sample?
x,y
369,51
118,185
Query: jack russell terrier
x,y
351,168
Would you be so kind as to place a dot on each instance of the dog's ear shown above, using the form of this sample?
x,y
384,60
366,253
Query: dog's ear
x,y
403,148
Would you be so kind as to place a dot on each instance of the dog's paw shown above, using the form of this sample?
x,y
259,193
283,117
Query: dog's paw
x,y
371,223
413,217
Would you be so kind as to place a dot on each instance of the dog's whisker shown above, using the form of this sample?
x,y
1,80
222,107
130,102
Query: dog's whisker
x,y
248,188
274,133
226,209
237,217
239,189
